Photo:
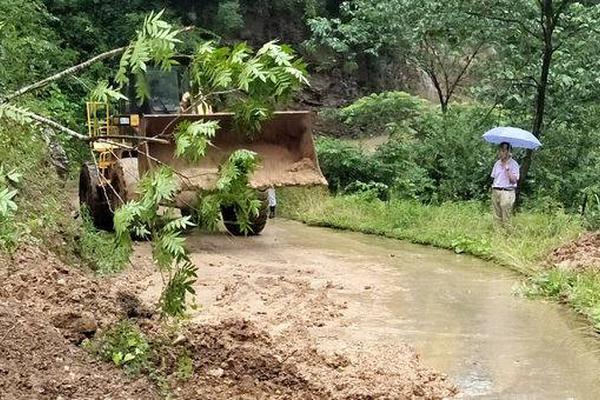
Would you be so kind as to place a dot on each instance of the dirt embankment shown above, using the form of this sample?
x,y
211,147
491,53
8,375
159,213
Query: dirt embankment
x,y
268,330
582,254
46,309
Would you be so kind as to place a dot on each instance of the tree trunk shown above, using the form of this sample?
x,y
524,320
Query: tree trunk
x,y
542,86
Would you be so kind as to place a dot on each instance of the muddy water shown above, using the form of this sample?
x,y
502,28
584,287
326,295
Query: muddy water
x,y
460,314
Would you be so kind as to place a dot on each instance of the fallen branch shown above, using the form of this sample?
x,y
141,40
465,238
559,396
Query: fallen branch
x,y
144,138
71,70
55,125
61,74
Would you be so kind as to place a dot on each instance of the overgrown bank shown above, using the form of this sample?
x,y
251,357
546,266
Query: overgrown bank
x,y
464,227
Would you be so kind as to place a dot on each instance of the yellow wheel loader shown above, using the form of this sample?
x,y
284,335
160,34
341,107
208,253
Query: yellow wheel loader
x,y
140,138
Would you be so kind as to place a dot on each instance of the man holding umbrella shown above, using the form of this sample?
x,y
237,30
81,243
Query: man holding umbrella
x,y
506,170
506,176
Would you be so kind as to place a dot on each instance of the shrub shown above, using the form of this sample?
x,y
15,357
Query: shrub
x,y
433,158
381,113
124,345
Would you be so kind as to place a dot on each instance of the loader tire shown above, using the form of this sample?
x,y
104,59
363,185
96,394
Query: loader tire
x,y
91,195
124,178
257,224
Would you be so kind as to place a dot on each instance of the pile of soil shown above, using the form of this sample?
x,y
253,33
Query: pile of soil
x,y
46,309
582,254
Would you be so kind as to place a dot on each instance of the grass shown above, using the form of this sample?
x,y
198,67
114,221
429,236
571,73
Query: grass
x,y
579,289
122,344
463,227
44,205
99,250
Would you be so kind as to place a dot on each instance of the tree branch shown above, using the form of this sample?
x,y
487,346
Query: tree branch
x,y
71,70
61,74
55,125
464,70
144,138
504,19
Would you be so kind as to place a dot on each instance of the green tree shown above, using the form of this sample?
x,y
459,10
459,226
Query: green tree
x,y
432,36
545,54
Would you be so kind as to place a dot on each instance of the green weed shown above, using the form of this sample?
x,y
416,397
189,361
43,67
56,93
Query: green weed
x,y
580,290
124,345
184,367
98,249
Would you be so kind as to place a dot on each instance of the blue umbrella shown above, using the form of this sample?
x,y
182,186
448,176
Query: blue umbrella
x,y
515,136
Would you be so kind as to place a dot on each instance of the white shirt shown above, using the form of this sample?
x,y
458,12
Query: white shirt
x,y
271,199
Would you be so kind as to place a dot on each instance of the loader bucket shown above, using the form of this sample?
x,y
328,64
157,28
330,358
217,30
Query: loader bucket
x,y
284,145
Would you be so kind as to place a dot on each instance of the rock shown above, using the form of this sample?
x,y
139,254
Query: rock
x,y
216,372
179,339
75,326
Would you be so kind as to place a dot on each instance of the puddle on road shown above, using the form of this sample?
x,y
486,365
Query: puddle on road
x,y
462,317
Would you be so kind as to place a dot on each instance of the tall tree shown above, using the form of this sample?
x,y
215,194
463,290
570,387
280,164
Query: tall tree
x,y
543,49
432,36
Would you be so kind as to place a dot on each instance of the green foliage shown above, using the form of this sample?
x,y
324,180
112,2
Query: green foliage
x,y
124,345
431,156
590,208
369,191
343,164
155,43
142,217
229,19
193,138
232,189
8,230
98,248
14,113
29,48
254,83
384,112
579,289
172,300
104,93
185,367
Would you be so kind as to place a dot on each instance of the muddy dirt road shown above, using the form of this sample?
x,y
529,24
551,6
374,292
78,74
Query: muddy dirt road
x,y
361,298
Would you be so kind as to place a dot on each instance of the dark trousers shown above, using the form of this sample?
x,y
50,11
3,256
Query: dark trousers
x,y
271,211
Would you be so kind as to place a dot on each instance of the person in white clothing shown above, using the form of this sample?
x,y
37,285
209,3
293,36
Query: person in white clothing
x,y
272,201
506,178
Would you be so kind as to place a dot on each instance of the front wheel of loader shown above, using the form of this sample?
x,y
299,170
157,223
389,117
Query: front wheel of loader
x,y
257,223
91,196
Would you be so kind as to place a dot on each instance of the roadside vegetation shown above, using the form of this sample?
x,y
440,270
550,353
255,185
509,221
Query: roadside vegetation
x,y
463,227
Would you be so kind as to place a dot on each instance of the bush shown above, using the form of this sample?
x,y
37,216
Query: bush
x,y
437,158
229,20
382,113
343,164
124,345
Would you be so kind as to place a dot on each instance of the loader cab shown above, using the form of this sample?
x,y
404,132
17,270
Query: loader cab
x,y
165,89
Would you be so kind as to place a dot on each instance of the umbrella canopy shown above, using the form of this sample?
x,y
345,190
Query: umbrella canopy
x,y
515,136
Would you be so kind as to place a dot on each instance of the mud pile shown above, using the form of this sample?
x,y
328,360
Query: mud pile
x,y
582,254
47,308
